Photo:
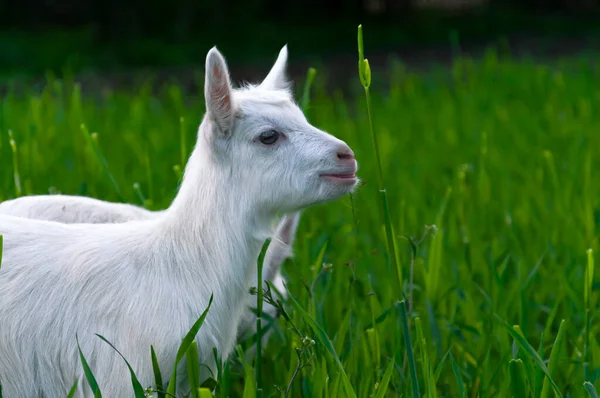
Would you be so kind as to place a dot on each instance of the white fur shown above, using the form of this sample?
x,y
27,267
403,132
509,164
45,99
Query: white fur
x,y
142,283
80,209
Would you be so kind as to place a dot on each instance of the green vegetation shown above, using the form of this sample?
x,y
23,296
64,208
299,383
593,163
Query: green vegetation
x,y
489,169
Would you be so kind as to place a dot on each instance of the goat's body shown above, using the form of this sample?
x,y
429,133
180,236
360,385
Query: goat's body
x,y
99,290
74,209
80,209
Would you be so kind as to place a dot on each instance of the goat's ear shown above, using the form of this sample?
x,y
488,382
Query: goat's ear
x,y
218,92
280,248
286,231
276,79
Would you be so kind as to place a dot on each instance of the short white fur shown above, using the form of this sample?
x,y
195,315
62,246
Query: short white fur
x,y
80,209
142,283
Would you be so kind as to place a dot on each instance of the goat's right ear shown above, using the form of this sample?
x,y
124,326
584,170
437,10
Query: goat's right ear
x,y
281,246
276,79
286,231
218,93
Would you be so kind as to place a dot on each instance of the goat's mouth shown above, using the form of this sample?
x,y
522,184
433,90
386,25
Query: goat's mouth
x,y
340,178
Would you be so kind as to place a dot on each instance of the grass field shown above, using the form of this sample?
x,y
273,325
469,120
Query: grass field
x,y
501,155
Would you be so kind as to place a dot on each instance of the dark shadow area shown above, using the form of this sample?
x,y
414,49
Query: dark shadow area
x,y
112,42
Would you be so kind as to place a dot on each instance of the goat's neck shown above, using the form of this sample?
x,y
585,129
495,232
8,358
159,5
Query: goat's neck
x,y
213,221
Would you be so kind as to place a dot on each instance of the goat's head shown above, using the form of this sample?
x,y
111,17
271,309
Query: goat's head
x,y
259,137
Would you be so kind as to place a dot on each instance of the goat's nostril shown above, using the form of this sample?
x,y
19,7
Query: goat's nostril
x,y
345,154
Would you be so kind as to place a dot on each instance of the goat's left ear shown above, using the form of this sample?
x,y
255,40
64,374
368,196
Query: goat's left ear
x,y
276,79
218,93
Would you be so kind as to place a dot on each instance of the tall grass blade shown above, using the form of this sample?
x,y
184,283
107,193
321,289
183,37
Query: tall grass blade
x,y
530,351
518,377
554,353
587,292
412,367
182,141
185,345
16,174
591,390
101,159
193,368
249,379
310,77
88,372
459,381
391,241
383,384
538,374
137,387
364,71
70,394
259,308
324,340
158,381
425,363
527,360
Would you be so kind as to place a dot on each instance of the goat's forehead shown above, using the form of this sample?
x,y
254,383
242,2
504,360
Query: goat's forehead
x,y
259,94
280,109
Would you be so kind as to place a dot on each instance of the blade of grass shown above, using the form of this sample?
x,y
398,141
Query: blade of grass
x,y
383,384
539,375
527,361
71,393
518,376
259,308
414,381
249,387
183,146
16,174
137,387
587,292
591,390
459,381
425,364
89,375
185,344
157,375
310,76
92,142
324,340
364,72
554,353
193,368
530,351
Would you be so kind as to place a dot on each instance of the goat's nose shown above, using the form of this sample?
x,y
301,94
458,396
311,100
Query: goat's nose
x,y
345,153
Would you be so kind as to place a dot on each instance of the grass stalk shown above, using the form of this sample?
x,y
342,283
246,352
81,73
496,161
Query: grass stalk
x,y
364,71
589,281
16,174
259,308
412,367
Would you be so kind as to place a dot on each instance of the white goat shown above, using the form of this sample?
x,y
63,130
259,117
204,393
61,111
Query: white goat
x,y
142,283
80,209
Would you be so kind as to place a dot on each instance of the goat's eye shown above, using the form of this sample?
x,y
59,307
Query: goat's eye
x,y
269,137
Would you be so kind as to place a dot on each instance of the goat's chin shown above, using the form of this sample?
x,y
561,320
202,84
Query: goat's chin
x,y
332,190
318,192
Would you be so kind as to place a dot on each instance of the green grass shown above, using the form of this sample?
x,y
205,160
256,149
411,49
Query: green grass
x,y
500,155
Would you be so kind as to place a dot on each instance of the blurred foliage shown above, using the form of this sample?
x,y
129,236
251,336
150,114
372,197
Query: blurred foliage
x,y
80,36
